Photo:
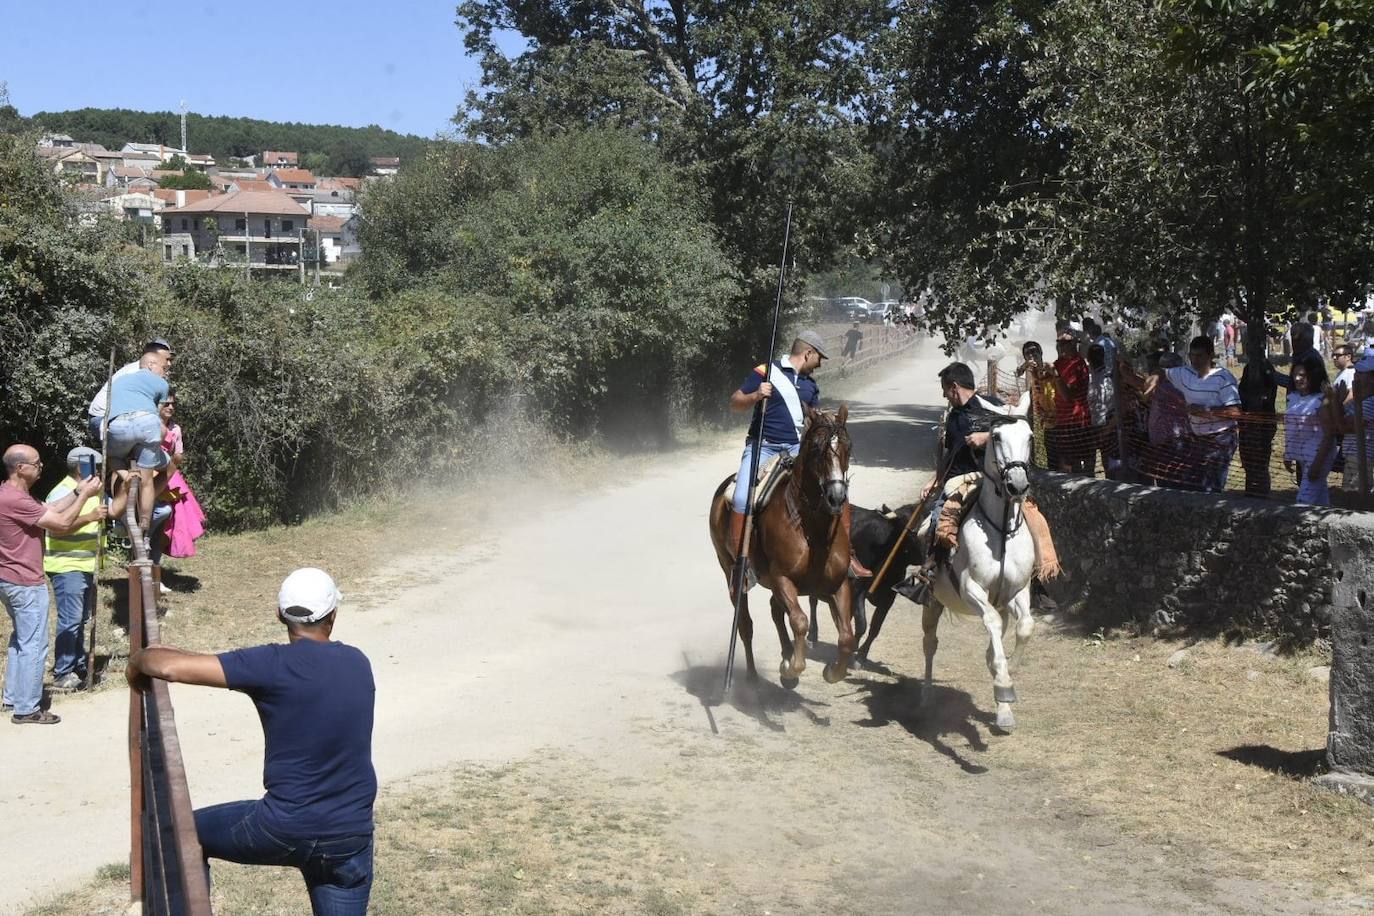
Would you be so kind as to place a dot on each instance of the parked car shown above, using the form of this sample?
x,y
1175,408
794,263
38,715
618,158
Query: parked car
x,y
857,308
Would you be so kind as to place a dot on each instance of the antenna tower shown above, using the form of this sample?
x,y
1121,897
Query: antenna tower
x,y
184,148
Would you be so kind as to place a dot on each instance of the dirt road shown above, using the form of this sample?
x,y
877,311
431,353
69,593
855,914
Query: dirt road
x,y
595,626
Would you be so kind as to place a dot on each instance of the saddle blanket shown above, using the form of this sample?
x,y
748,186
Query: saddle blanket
x,y
772,476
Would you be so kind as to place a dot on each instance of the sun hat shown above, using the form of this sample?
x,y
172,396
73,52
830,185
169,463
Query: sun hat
x,y
814,341
309,590
81,451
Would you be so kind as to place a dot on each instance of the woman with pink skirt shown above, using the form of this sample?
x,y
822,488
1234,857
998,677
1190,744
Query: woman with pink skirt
x,y
188,521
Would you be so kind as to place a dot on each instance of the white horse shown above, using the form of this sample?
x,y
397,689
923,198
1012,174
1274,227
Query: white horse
x,y
989,574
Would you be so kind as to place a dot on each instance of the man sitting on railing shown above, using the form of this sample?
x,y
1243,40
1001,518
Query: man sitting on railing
x,y
315,698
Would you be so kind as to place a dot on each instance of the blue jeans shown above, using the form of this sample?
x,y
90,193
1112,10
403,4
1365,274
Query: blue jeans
x,y
767,452
27,606
161,512
337,870
137,438
75,594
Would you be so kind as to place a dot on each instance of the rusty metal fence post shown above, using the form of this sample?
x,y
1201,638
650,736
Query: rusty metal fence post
x,y
166,871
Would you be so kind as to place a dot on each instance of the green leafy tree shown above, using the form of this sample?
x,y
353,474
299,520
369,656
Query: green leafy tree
x,y
597,253
761,101
190,180
318,163
959,131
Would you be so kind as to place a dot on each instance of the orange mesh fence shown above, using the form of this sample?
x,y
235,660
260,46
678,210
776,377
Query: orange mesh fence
x,y
1154,443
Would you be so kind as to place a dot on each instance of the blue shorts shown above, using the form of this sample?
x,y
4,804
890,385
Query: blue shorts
x,y
137,437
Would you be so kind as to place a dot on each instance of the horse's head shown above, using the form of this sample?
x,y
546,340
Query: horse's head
x,y
1007,463
824,455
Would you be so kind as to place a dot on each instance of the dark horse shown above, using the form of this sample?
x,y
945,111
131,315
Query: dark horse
x,y
799,547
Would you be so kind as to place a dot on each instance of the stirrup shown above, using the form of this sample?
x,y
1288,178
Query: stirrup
x,y
915,588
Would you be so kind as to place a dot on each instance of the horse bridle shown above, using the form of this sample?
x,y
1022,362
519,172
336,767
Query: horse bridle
x,y
1003,470
831,447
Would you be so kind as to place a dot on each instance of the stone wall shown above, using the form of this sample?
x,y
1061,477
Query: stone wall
x,y
1172,562
1177,563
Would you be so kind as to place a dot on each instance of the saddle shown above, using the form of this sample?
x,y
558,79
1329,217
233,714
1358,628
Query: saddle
x,y
771,478
962,501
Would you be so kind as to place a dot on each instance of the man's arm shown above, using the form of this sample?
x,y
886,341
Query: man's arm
x,y
742,401
64,513
175,665
95,515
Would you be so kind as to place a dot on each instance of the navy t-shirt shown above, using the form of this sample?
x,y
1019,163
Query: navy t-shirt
x,y
777,420
315,700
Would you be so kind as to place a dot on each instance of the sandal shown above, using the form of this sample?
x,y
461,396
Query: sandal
x,y
37,717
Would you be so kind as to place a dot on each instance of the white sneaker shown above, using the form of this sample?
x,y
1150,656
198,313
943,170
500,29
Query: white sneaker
x,y
162,589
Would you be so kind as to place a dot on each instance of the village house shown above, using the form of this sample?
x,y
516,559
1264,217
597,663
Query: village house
x,y
135,206
74,163
60,141
384,165
264,226
130,178
292,179
334,201
275,159
157,150
338,238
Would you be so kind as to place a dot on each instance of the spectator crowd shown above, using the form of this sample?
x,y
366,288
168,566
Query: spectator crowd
x,y
57,541
1179,420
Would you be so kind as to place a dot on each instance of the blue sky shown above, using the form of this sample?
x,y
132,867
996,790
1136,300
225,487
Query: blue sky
x,y
400,64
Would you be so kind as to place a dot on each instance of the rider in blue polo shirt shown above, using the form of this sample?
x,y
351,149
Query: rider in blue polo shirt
x,y
791,394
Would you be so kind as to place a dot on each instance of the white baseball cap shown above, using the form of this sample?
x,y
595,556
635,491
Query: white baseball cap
x,y
311,590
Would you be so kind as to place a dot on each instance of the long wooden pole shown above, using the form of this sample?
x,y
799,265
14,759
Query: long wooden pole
x,y
920,510
136,640
100,525
740,576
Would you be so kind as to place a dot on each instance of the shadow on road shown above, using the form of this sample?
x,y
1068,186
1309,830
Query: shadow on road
x,y
761,700
951,712
900,437
1286,763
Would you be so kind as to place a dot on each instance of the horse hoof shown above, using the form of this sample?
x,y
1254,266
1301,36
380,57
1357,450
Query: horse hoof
x,y
828,672
789,683
1005,720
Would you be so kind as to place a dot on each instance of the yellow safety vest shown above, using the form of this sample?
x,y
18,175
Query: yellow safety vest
x,y
75,552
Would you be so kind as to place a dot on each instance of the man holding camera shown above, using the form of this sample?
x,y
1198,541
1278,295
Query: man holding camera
x,y
23,589
69,559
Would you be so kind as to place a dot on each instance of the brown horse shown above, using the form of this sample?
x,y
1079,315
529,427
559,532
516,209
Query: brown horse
x,y
799,547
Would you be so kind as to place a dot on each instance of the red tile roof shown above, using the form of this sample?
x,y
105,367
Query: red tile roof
x,y
294,176
271,156
256,184
250,202
170,196
329,224
329,184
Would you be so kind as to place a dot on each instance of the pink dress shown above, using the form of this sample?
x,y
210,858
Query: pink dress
x,y
188,521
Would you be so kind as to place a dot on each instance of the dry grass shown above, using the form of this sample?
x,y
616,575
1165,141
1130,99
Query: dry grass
x,y
535,839
1208,756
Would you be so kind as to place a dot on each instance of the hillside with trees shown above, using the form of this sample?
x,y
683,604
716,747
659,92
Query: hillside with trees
x,y
330,149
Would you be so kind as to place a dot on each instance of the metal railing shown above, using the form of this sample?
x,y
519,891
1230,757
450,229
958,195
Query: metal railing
x,y
166,865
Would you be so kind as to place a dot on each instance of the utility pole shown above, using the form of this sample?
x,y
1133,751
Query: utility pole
x,y
247,248
184,148
300,253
